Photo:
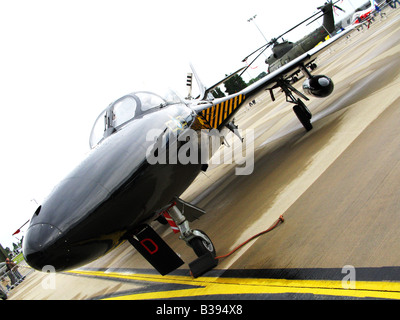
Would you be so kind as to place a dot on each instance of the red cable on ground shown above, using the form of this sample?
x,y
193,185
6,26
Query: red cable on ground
x,y
280,220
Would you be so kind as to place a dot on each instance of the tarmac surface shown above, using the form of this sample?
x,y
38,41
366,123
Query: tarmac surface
x,y
337,187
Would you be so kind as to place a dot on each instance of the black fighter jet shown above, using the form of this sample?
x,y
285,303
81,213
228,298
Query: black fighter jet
x,y
122,185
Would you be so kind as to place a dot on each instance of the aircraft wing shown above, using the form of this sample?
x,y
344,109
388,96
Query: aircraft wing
x,y
219,112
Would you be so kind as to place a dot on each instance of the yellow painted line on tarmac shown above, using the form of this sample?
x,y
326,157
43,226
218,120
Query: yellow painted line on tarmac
x,y
208,286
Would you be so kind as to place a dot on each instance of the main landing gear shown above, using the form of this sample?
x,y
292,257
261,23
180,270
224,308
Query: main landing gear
x,y
300,109
303,114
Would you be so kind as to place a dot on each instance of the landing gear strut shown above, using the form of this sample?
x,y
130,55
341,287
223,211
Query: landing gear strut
x,y
197,240
300,109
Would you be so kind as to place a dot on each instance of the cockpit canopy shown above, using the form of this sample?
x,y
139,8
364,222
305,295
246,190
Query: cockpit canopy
x,y
126,109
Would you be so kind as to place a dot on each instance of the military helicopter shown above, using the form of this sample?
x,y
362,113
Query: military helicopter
x,y
285,51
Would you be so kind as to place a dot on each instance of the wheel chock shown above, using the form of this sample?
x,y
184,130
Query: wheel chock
x,y
202,264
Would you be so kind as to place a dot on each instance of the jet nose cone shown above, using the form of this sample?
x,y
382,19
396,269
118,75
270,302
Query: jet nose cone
x,y
39,246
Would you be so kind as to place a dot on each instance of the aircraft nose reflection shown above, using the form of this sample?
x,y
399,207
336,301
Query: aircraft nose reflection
x,y
39,246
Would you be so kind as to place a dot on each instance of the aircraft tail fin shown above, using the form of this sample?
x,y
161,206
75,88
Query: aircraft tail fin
x,y
204,91
329,19
201,86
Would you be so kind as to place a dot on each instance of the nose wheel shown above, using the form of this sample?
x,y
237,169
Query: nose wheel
x,y
197,240
201,244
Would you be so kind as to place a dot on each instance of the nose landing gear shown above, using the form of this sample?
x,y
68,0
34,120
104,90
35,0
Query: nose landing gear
x,y
196,239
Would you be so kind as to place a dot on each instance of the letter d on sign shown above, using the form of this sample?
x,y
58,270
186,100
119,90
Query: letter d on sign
x,y
151,246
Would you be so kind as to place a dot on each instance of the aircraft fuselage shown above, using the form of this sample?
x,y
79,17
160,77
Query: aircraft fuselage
x,y
110,193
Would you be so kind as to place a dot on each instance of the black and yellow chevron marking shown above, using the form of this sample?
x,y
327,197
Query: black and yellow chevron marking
x,y
217,114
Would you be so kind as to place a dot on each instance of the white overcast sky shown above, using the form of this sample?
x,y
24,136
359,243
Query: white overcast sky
x,y
62,62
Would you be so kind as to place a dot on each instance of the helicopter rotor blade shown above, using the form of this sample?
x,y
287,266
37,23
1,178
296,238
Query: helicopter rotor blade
x,y
314,20
249,65
337,7
298,25
272,41
244,60
319,8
